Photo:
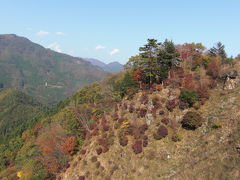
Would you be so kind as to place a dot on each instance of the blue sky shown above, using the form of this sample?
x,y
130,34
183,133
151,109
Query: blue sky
x,y
113,30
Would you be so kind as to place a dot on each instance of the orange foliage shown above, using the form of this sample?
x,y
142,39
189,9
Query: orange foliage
x,y
49,142
188,82
69,145
137,74
213,69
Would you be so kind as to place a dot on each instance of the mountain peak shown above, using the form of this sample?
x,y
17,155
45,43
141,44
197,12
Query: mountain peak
x,y
113,67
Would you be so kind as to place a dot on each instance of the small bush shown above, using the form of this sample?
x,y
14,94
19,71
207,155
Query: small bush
x,y
131,108
142,112
183,105
162,132
105,149
98,164
145,137
144,98
145,143
156,103
188,96
120,120
83,151
176,137
165,121
143,128
137,146
106,127
115,116
94,159
99,150
154,112
125,106
216,125
81,177
171,104
94,132
117,125
123,140
191,120
161,112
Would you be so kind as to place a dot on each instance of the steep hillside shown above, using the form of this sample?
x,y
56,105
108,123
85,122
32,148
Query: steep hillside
x,y
16,112
45,149
174,115
124,152
42,73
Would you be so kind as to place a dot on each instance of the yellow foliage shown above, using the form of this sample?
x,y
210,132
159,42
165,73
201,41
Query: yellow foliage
x,y
19,174
125,124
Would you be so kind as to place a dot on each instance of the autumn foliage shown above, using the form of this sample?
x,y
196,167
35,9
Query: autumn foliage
x,y
69,145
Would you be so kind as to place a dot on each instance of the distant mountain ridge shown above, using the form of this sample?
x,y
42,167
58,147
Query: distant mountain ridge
x,y
42,73
113,67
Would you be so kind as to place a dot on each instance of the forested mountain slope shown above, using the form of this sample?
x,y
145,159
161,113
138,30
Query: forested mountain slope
x,y
42,73
18,112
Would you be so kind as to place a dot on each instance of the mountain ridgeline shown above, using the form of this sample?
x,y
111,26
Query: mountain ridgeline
x,y
113,67
42,73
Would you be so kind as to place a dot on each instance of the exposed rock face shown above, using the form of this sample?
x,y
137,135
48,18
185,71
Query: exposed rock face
x,y
231,79
149,116
230,84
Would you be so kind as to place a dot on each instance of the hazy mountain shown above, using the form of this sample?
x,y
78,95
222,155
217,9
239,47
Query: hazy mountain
x,y
45,74
113,67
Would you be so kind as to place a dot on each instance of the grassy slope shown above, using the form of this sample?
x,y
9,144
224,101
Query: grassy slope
x,y
205,153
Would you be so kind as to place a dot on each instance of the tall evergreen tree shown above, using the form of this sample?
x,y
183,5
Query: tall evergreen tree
x,y
218,50
148,61
168,58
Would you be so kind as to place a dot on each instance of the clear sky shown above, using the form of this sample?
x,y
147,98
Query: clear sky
x,y
113,30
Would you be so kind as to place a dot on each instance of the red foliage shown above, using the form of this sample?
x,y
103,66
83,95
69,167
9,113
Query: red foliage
x,y
145,143
161,133
142,112
143,128
166,82
188,82
123,140
50,146
165,121
202,91
101,141
92,126
213,69
159,87
69,145
106,127
171,104
81,178
131,108
136,76
121,120
105,149
137,146
83,151
161,112
99,150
